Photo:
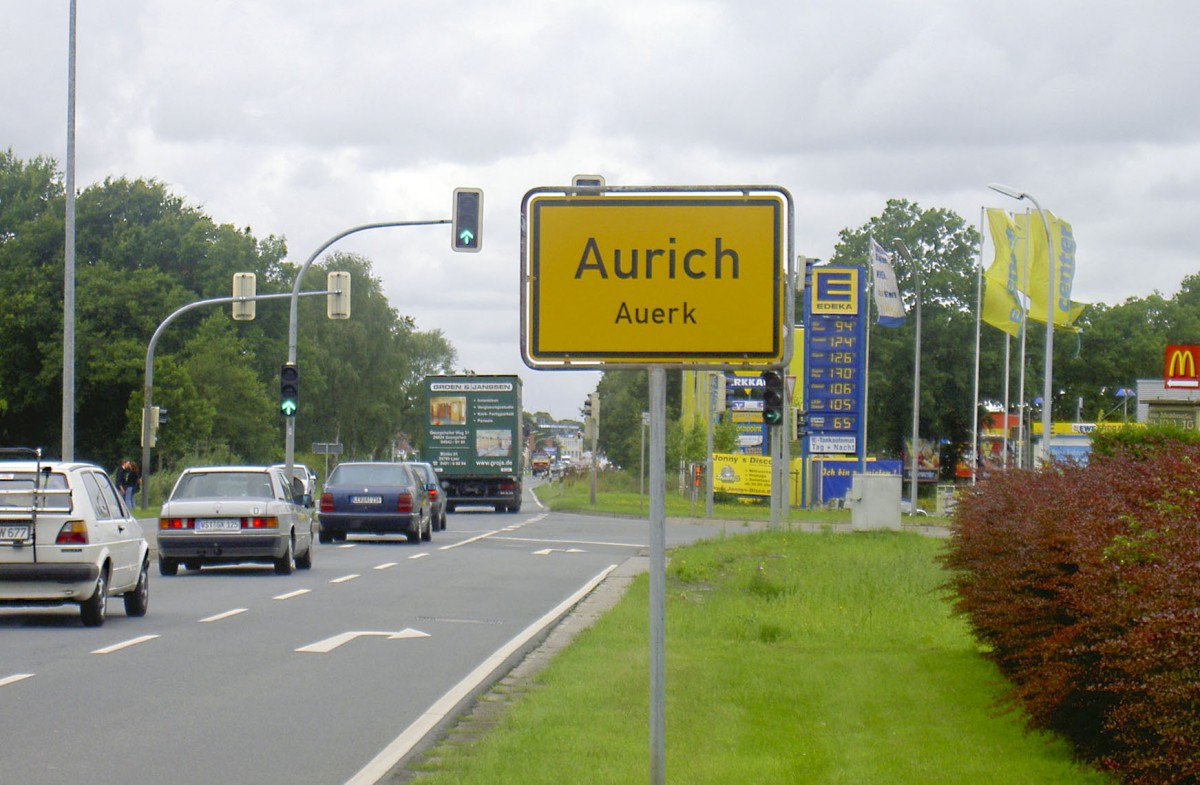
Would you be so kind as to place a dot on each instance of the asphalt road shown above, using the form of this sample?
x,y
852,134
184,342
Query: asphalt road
x,y
324,676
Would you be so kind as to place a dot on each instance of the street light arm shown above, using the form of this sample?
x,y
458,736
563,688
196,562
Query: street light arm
x,y
1007,191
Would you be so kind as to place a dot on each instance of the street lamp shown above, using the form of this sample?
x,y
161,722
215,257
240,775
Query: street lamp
x,y
1046,385
1124,393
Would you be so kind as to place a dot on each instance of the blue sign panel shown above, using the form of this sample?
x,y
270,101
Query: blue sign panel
x,y
835,359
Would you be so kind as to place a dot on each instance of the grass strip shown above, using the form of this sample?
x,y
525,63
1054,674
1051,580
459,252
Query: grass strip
x,y
791,658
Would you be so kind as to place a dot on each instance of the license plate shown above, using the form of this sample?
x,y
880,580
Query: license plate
x,y
218,524
366,500
9,531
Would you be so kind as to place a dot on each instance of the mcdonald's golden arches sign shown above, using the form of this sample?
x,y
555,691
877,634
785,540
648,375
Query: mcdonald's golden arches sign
x,y
1179,366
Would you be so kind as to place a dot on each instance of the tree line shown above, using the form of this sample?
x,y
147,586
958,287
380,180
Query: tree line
x,y
142,253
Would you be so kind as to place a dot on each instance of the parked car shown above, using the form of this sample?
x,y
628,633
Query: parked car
x,y
374,498
232,514
437,494
307,478
67,537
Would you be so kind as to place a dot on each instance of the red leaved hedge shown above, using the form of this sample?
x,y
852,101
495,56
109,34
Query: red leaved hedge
x,y
1085,583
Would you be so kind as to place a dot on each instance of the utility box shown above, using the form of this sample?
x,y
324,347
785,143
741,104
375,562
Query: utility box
x,y
874,501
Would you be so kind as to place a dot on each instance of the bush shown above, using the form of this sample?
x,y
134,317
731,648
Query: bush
x,y
1083,582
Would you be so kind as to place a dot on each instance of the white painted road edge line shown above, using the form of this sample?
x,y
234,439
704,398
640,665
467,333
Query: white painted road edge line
x,y
13,679
125,644
400,746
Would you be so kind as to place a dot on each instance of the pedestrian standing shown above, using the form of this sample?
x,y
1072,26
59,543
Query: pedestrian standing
x,y
133,481
121,477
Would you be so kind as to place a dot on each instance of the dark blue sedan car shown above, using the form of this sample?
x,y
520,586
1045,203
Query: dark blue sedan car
x,y
374,498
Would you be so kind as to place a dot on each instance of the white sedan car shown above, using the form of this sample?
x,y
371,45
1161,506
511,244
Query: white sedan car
x,y
231,514
66,537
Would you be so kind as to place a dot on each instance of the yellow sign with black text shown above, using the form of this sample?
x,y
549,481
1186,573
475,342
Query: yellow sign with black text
x,y
675,278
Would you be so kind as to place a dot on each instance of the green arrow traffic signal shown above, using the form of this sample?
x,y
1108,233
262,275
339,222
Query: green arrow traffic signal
x,y
466,237
289,390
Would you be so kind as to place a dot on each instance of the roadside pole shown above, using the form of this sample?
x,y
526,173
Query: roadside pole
x,y
658,573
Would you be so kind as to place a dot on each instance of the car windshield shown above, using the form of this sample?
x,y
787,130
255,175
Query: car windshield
x,y
369,474
224,485
16,490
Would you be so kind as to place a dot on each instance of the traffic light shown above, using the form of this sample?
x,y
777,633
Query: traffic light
x,y
467,226
289,389
587,407
772,398
243,289
160,416
337,302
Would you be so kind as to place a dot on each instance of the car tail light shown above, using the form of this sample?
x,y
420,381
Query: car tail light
x,y
72,533
176,523
433,493
327,502
404,502
508,486
267,522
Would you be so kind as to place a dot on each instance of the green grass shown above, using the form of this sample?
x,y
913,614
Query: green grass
x,y
791,658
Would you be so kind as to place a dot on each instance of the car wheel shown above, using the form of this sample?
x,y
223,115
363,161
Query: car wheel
x,y
305,562
137,601
95,609
325,537
283,565
427,534
193,564
168,566
442,522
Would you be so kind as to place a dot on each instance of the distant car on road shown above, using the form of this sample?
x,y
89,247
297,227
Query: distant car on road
x,y
437,494
232,514
307,478
374,498
66,537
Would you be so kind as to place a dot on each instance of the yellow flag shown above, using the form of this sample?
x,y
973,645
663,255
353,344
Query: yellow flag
x,y
1002,289
1062,239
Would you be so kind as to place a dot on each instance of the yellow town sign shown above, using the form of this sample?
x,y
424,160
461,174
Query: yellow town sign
x,y
674,278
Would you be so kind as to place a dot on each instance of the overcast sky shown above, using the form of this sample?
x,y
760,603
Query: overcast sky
x,y
302,118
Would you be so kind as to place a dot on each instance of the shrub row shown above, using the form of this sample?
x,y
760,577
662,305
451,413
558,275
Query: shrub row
x,y
1084,582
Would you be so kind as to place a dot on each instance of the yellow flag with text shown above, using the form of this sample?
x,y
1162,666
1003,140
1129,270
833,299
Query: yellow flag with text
x,y
1062,239
1002,280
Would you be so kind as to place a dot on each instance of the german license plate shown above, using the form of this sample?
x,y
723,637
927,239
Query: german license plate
x,y
366,500
218,524
11,531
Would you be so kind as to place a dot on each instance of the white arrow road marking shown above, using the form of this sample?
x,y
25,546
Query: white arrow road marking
x,y
291,594
329,644
548,551
125,644
224,615
13,679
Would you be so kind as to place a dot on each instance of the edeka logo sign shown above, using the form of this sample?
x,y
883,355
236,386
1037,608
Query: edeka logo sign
x,y
835,290
1179,366
679,279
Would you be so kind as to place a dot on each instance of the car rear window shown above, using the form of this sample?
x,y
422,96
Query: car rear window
x,y
16,490
224,485
362,474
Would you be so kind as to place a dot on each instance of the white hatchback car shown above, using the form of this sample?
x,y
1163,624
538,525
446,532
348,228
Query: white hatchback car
x,y
66,537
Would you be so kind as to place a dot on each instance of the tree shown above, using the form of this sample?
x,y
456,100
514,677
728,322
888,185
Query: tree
x,y
944,249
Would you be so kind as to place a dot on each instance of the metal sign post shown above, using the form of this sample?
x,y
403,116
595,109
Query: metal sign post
x,y
657,277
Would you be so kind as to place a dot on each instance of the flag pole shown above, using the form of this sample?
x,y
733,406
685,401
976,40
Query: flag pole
x,y
869,296
975,443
